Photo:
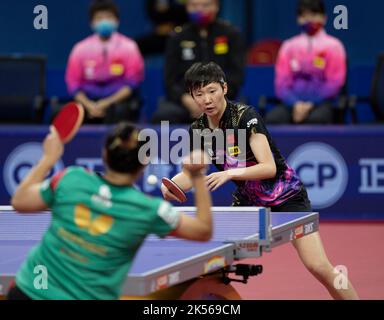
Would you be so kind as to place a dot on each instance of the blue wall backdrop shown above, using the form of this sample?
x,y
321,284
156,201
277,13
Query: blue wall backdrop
x,y
68,23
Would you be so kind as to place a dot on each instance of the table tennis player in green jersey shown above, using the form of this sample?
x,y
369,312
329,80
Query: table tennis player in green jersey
x,y
98,221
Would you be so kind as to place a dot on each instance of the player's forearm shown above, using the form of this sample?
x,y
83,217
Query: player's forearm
x,y
183,181
203,201
36,175
260,171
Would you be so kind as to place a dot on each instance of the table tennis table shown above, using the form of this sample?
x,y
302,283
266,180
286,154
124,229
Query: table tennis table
x,y
188,269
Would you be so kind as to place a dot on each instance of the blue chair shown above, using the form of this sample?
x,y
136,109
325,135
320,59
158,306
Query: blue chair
x,y
366,101
377,94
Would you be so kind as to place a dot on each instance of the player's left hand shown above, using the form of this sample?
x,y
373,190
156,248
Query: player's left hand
x,y
217,179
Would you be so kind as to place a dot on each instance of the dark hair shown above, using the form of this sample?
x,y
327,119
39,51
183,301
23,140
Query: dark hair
x,y
103,5
202,74
122,148
313,6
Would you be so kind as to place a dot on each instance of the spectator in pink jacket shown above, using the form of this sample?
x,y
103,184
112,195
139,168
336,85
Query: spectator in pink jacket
x,y
105,70
310,70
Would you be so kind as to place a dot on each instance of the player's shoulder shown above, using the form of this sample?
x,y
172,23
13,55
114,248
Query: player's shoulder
x,y
168,213
246,114
67,177
241,108
77,172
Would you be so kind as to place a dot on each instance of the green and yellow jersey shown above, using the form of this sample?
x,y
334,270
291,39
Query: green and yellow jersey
x,y
95,232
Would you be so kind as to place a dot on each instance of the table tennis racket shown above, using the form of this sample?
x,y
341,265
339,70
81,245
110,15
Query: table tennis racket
x,y
68,121
175,189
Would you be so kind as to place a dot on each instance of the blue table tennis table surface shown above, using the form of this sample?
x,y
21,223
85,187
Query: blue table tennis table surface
x,y
176,260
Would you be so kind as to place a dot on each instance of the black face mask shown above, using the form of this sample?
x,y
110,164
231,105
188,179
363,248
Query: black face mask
x,y
201,19
311,28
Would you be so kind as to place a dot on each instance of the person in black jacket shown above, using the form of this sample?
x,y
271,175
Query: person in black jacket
x,y
205,38
165,15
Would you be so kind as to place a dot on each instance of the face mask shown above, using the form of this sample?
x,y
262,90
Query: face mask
x,y
201,19
311,28
105,28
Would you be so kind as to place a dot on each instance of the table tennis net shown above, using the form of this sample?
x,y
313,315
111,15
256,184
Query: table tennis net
x,y
227,226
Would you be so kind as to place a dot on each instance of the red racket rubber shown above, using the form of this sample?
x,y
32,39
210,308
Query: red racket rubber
x,y
68,121
175,189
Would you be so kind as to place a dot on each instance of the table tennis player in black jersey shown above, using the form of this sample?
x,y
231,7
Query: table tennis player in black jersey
x,y
261,174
